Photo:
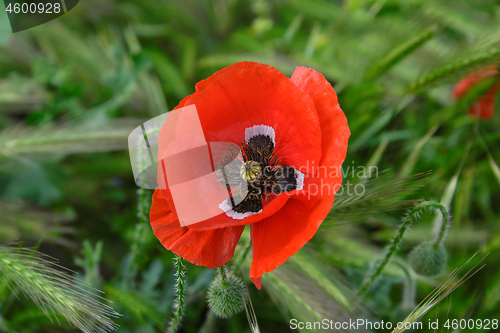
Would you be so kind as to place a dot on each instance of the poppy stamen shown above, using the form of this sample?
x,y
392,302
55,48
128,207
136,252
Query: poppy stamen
x,y
254,174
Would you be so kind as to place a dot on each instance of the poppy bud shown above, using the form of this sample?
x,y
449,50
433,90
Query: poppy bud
x,y
427,259
226,297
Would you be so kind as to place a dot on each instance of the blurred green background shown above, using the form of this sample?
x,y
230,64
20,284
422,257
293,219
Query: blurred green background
x,y
73,89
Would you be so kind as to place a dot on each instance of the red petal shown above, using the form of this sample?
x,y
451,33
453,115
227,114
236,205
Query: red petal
x,y
165,224
257,282
465,84
268,209
212,248
207,248
280,236
485,107
327,178
240,99
239,65
262,96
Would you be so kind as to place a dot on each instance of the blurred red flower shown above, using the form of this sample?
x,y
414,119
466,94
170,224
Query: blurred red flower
x,y
293,126
485,106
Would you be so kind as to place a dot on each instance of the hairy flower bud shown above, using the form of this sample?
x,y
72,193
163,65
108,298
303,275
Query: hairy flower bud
x,y
226,297
427,259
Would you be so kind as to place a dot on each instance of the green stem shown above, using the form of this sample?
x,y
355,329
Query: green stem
x,y
239,261
209,322
479,59
223,275
444,224
409,291
180,289
143,206
400,52
412,215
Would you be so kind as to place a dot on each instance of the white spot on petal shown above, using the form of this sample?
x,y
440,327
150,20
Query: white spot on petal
x,y
299,177
228,209
268,131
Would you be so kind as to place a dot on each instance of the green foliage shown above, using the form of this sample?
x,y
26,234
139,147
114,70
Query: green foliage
x,y
400,52
65,139
72,90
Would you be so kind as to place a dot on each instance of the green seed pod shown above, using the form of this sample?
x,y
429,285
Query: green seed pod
x,y
226,298
250,171
427,260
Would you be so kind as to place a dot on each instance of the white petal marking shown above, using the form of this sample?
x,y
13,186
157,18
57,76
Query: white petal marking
x,y
250,132
226,207
299,177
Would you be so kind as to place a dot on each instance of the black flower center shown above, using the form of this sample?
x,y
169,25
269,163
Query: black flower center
x,y
251,173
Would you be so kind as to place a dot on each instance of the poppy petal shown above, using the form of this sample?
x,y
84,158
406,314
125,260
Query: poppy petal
x,y
280,236
485,107
465,84
165,224
277,238
239,65
327,178
261,96
238,91
269,84
211,249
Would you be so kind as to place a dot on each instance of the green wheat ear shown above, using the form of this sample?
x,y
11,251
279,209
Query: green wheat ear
x,y
53,291
440,293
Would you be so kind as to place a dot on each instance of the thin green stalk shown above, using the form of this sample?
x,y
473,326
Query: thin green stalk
x,y
412,215
180,290
209,322
439,294
444,224
476,61
223,275
143,206
410,287
417,150
241,258
282,289
400,52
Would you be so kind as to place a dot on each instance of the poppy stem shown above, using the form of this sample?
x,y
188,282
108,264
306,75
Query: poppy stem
x,y
409,288
237,263
412,215
141,227
444,225
180,290
209,322
223,275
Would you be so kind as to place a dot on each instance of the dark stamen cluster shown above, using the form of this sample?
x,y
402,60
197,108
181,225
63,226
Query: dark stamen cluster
x,y
254,175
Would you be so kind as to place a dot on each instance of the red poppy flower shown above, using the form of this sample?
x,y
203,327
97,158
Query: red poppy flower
x,y
292,138
485,106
